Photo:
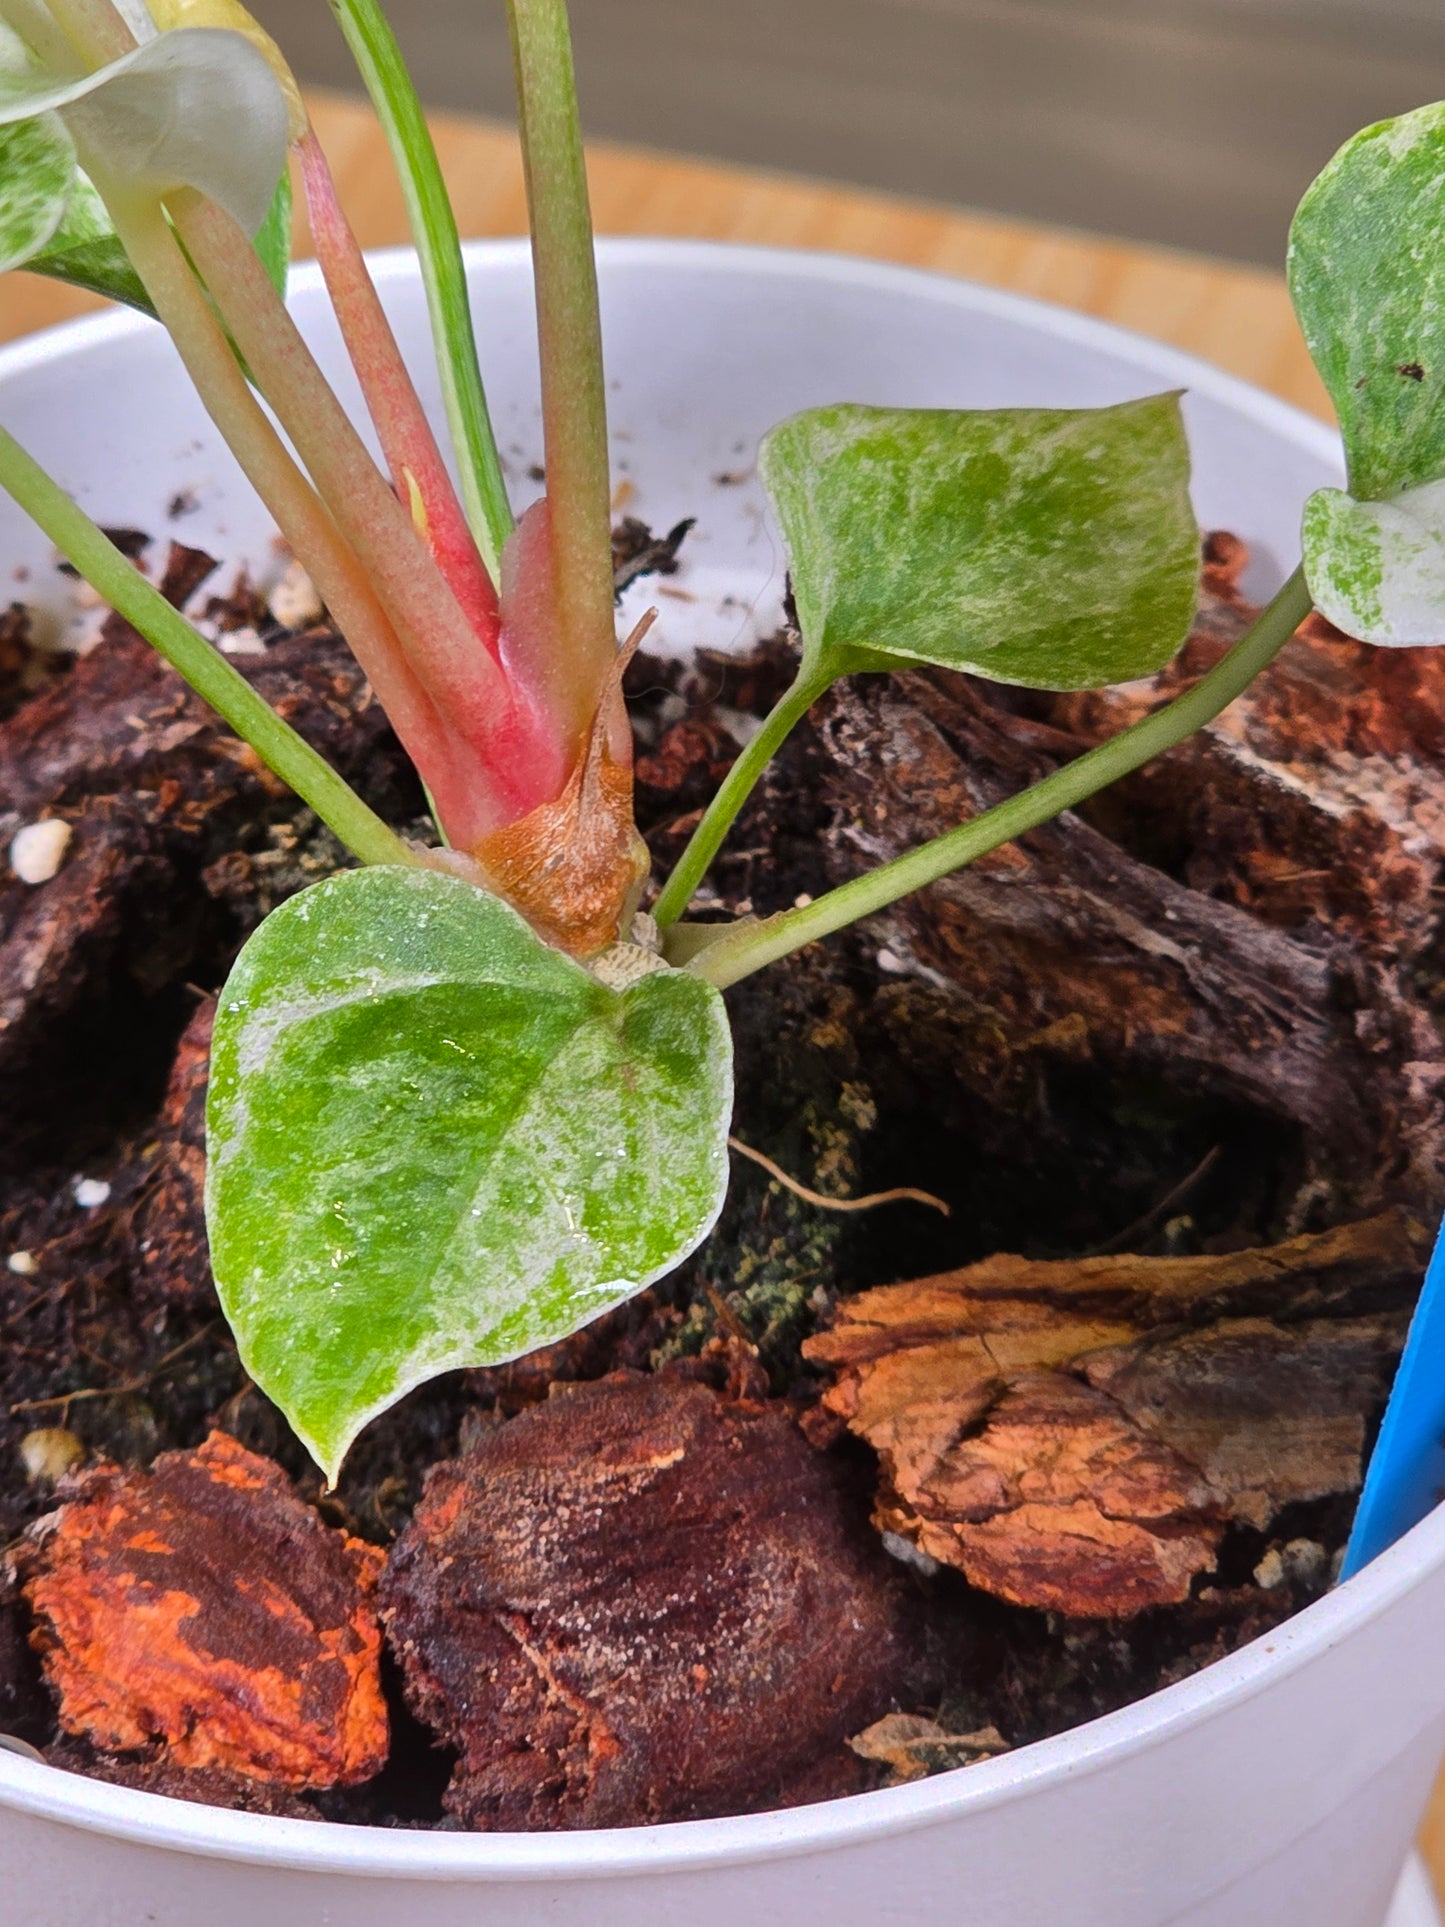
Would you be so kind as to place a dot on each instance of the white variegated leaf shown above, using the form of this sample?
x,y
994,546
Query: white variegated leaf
x,y
436,1143
170,14
1367,276
1052,547
37,171
85,251
200,107
15,57
1367,273
1377,569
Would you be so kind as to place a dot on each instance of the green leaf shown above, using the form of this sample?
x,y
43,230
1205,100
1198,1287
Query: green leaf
x,y
86,252
1367,276
1052,547
434,1142
37,167
273,237
100,267
1377,569
197,107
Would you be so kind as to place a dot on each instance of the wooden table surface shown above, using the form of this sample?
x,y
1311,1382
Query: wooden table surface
x,y
1239,318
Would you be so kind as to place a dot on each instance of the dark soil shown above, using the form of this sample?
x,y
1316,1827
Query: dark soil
x,y
1204,1018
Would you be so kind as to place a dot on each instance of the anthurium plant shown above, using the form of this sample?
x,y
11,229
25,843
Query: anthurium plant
x,y
466,1097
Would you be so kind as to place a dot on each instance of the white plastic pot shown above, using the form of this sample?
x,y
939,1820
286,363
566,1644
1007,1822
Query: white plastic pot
x,y
1279,1788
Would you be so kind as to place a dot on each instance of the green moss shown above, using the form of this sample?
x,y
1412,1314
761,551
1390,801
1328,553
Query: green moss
x,y
775,1258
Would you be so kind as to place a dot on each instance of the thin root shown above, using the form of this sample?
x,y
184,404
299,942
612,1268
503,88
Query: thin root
x,y
122,1390
895,1196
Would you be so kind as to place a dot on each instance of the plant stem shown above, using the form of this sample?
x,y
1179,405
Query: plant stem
x,y
746,947
418,473
434,229
443,651
441,648
94,28
737,787
32,20
333,567
208,672
569,331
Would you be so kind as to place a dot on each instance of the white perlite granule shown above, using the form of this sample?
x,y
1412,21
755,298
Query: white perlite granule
x,y
37,851
49,1453
294,601
241,642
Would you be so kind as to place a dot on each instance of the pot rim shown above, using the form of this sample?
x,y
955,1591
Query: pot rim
x,y
390,266
322,1847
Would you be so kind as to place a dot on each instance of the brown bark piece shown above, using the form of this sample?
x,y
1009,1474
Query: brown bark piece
x,y
122,720
637,552
201,1612
1317,798
171,861
1060,1502
24,1704
167,1229
912,1748
1271,1414
24,669
641,1602
1064,947
622,1339
63,942
1074,1435
687,767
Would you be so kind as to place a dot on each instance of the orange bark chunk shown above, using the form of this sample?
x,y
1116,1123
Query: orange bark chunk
x,y
1076,1435
201,1612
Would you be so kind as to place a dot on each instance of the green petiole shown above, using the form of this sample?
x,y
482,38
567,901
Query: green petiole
x,y
209,674
736,788
747,947
569,335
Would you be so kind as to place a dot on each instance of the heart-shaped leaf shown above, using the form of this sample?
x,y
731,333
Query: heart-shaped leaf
x,y
152,117
1367,277
1054,547
53,222
434,1142
1367,274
